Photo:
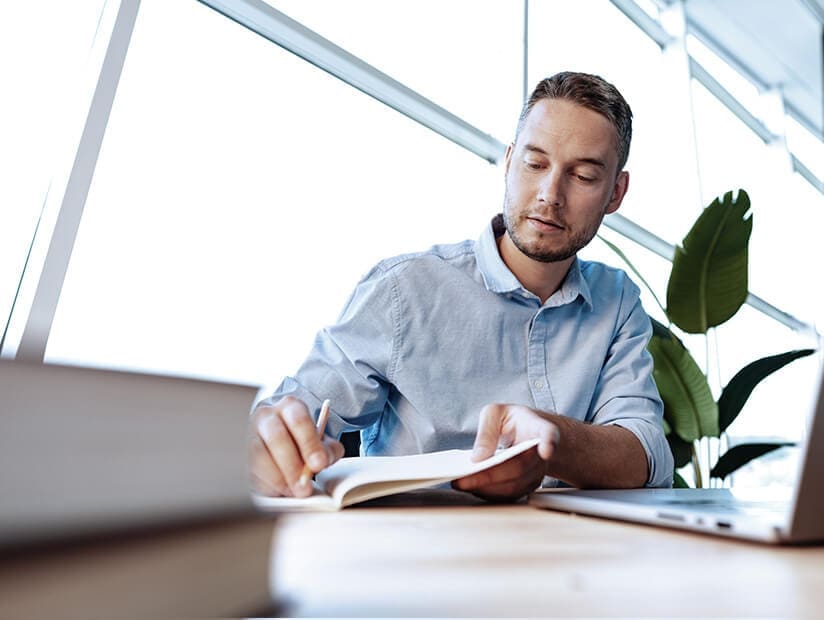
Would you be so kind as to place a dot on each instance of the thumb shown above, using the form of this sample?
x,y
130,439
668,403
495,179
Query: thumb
x,y
549,436
489,431
334,449
535,424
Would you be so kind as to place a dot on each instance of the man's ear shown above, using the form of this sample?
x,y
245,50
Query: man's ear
x,y
618,192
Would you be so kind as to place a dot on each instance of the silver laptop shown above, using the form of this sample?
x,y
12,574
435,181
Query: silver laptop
x,y
797,516
90,451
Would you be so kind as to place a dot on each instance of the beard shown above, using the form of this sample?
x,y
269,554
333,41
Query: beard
x,y
542,249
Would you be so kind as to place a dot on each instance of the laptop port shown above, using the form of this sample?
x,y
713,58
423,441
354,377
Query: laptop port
x,y
671,517
723,525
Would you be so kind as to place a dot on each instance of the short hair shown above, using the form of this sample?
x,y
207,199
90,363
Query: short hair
x,y
592,92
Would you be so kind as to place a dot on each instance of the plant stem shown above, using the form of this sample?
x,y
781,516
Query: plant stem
x,y
709,459
723,445
718,383
712,372
707,376
696,469
623,256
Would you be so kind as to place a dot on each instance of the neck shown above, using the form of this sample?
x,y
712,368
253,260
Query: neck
x,y
541,279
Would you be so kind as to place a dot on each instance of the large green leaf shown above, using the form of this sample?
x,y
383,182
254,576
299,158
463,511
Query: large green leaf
x,y
708,281
742,454
738,390
659,329
681,450
678,482
688,403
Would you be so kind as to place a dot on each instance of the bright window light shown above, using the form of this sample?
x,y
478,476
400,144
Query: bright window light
x,y
472,66
805,146
239,195
44,46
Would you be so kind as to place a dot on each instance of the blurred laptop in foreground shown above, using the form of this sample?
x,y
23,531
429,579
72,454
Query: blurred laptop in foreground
x,y
88,451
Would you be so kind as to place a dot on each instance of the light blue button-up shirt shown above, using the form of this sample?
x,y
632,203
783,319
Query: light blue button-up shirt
x,y
427,339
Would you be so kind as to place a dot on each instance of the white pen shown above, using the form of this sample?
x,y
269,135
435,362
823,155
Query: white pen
x,y
306,474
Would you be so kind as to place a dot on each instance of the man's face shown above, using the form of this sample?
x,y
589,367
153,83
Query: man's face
x,y
561,180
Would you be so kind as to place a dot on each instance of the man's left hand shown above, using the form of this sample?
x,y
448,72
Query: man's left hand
x,y
506,425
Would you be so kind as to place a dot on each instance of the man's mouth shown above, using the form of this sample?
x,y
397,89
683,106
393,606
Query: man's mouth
x,y
543,221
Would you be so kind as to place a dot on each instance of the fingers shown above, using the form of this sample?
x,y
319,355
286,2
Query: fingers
x,y
549,436
508,481
334,449
509,424
304,434
265,477
285,438
528,423
509,470
489,431
505,425
285,463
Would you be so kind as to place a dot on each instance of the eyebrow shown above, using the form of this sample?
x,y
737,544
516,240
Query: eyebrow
x,y
583,160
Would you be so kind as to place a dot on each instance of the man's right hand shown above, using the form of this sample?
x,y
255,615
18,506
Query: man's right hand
x,y
284,439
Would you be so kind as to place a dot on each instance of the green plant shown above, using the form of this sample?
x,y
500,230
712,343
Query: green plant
x,y
707,285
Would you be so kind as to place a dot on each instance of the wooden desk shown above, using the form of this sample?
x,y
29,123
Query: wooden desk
x,y
486,560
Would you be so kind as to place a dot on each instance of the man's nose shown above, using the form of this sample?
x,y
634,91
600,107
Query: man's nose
x,y
550,190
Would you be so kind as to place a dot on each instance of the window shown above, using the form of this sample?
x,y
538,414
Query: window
x,y
45,46
805,146
464,55
239,195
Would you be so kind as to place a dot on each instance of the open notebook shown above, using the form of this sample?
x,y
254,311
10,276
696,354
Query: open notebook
x,y
358,479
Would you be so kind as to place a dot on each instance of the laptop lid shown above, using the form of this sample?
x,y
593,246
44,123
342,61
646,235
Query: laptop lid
x,y
87,450
807,514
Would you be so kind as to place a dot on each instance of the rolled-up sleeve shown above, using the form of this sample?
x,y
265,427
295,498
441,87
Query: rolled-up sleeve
x,y
626,394
351,362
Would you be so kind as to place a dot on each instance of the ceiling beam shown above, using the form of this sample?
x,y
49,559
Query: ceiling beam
x,y
294,37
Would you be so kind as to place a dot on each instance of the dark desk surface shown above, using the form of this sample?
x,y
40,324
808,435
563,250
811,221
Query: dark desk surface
x,y
205,569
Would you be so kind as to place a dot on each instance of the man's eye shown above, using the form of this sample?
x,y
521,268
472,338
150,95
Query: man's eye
x,y
585,179
532,165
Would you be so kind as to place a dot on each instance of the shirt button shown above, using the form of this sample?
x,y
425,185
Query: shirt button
x,y
538,384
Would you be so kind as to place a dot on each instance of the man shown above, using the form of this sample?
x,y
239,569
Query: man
x,y
491,342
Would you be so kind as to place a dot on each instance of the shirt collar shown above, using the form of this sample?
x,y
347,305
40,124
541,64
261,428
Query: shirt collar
x,y
499,279
497,276
573,286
